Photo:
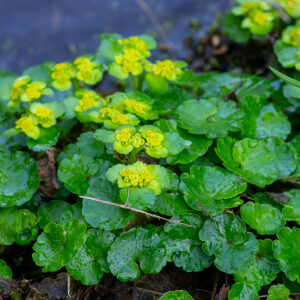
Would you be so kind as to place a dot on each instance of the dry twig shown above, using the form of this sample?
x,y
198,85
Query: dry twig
x,y
135,210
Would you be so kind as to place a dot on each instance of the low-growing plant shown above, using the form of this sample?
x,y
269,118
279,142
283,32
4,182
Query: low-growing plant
x,y
174,166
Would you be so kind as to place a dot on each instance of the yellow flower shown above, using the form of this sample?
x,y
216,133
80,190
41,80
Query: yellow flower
x,y
294,37
135,177
87,101
154,139
119,118
87,70
62,75
28,125
34,90
250,6
146,175
18,88
137,140
123,135
133,105
130,61
259,18
167,69
137,43
105,112
43,112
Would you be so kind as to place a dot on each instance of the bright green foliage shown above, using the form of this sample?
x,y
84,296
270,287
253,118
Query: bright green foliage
x,y
264,218
136,245
226,238
58,211
75,172
260,162
278,292
243,291
183,245
224,135
214,118
287,252
170,204
264,269
101,215
58,244
17,226
263,120
209,185
5,270
176,295
89,264
19,179
291,210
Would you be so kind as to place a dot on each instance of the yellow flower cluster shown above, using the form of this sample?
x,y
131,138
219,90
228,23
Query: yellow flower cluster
x,y
167,69
87,100
133,105
130,61
28,125
135,177
251,6
87,70
137,43
154,139
62,75
25,91
115,115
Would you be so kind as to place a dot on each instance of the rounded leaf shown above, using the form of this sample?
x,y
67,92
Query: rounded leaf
x,y
75,172
243,291
264,218
176,295
136,245
19,179
287,252
5,270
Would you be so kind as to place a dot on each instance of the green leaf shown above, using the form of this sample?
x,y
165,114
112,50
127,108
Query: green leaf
x,y
6,83
176,295
287,56
286,78
75,172
89,264
278,292
183,245
287,252
58,211
58,244
5,270
233,28
291,210
88,145
227,239
243,291
19,179
109,46
101,215
209,185
260,162
264,269
213,118
195,146
254,85
156,84
105,136
139,198
263,120
38,73
17,225
170,204
264,218
48,138
136,245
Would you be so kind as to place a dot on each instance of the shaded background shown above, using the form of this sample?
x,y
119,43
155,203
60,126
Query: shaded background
x,y
34,31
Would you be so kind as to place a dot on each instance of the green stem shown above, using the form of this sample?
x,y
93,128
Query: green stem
x,y
132,156
135,82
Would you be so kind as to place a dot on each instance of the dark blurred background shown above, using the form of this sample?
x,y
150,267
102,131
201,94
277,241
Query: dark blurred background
x,y
34,31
